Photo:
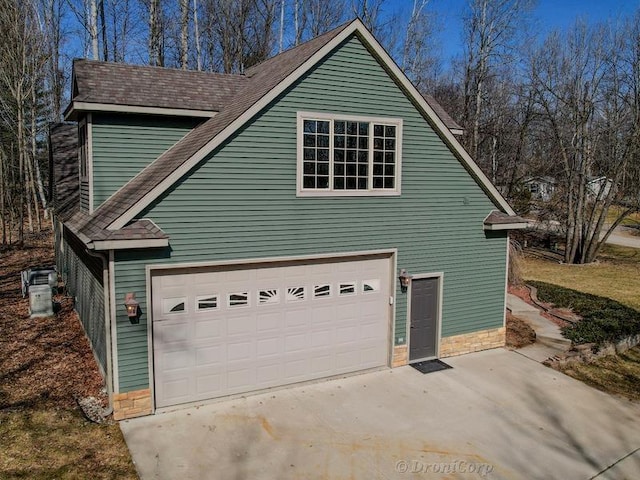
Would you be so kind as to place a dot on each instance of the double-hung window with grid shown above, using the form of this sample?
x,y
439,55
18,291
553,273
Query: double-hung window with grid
x,y
345,155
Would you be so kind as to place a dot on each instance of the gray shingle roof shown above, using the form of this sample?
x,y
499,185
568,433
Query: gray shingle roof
x,y
500,218
145,86
449,122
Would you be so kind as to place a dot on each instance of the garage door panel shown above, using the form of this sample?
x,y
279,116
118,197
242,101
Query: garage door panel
x,y
268,322
253,328
209,329
296,342
210,355
176,390
321,336
268,347
297,317
210,384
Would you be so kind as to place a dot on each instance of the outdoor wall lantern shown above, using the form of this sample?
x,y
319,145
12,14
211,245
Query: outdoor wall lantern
x,y
133,308
405,279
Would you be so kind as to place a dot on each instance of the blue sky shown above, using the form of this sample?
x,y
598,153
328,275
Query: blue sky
x,y
548,15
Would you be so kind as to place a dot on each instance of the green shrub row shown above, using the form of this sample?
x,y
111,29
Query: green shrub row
x,y
603,319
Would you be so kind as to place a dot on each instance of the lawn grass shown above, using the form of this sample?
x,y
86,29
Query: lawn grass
x,y
613,281
616,275
45,442
615,211
44,364
617,374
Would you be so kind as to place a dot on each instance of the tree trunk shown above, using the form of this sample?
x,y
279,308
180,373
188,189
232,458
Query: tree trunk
x,y
93,29
296,21
3,222
103,31
34,155
184,33
281,35
154,34
21,167
196,33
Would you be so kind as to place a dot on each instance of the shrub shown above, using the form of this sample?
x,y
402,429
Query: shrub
x,y
603,319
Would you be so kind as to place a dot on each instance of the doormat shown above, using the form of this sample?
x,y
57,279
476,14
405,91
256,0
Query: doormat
x,y
430,366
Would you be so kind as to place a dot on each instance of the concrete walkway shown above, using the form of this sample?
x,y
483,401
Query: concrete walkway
x,y
623,237
495,415
549,340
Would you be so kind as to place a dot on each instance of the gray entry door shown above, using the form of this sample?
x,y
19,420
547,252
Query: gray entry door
x,y
424,318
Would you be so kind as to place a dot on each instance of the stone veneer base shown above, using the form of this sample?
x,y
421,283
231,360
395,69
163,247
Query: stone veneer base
x,y
457,345
131,404
472,342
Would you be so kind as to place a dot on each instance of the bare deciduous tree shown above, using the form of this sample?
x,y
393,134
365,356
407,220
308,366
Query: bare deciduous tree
x,y
585,89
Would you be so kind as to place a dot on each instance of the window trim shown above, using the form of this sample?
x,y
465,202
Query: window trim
x,y
330,192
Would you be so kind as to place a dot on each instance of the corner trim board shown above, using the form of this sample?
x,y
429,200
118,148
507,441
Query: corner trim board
x,y
90,160
114,329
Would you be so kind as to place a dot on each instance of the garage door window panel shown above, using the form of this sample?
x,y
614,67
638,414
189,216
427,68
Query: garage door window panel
x,y
240,299
207,302
322,291
296,294
268,297
347,288
174,305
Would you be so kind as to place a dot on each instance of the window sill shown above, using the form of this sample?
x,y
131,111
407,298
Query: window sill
x,y
352,193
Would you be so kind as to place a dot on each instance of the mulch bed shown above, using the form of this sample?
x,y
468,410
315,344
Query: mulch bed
x,y
519,333
44,361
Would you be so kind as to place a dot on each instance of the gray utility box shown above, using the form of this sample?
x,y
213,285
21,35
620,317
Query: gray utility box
x,y
40,301
39,283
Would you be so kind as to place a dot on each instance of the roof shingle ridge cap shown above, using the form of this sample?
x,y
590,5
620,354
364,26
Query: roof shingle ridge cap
x,y
157,68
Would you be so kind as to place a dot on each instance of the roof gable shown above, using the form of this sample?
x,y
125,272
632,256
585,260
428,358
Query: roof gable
x,y
264,83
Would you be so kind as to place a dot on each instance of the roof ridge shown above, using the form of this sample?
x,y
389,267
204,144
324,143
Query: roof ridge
x,y
254,69
155,68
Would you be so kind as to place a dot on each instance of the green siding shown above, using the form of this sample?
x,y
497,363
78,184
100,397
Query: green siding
x,y
83,279
84,195
241,203
122,145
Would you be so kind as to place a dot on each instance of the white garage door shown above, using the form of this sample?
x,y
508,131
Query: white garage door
x,y
233,330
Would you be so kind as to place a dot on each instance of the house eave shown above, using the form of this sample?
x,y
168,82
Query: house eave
x,y
75,108
506,226
101,245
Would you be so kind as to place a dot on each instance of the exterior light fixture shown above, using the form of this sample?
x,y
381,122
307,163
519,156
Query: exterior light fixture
x,y
405,279
133,307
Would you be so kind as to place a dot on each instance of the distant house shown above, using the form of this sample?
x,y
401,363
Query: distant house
x,y
599,186
312,217
541,188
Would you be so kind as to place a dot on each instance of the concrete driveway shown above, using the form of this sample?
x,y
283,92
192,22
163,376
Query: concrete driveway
x,y
495,415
